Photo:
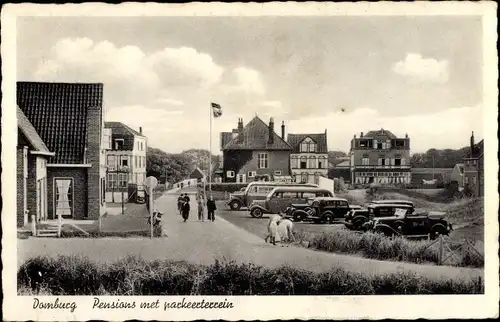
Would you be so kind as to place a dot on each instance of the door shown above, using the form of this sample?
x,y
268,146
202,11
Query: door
x,y
63,197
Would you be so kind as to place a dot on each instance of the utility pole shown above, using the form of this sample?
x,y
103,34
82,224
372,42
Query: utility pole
x,y
432,167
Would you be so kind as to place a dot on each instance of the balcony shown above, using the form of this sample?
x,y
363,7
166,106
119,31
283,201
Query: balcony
x,y
388,167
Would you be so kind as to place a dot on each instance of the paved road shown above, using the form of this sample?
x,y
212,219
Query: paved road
x,y
203,242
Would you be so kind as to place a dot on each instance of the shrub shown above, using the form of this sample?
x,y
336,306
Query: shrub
x,y
228,186
378,246
135,276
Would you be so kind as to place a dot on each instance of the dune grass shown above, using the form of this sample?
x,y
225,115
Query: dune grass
x,y
75,275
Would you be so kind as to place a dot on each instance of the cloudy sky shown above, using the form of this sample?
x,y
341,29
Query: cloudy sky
x,y
417,75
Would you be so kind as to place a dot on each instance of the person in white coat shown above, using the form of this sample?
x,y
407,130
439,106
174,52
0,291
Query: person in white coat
x,y
272,228
285,231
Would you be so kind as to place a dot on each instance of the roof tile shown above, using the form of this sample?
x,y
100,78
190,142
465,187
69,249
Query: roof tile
x,y
295,139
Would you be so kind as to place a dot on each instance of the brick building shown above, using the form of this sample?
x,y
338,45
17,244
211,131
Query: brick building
x,y
125,159
474,168
68,118
32,155
254,152
309,157
380,157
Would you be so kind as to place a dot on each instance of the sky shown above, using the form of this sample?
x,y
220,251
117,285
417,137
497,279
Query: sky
x,y
415,75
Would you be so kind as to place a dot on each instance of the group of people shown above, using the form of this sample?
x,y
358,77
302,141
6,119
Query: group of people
x,y
279,229
184,207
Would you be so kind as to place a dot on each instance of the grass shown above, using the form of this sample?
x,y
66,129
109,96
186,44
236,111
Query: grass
x,y
75,275
380,247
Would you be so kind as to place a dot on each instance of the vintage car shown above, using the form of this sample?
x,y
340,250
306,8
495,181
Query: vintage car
x,y
257,190
321,210
416,224
280,198
392,202
355,219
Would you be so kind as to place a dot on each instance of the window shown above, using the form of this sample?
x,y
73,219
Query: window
x,y
106,139
365,160
294,163
308,145
124,161
403,161
303,162
277,172
322,163
63,196
137,161
103,190
262,160
473,162
466,180
122,180
312,163
119,144
308,195
388,144
305,177
473,180
252,174
111,162
230,174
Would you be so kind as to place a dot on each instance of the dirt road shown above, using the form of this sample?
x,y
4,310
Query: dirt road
x,y
203,242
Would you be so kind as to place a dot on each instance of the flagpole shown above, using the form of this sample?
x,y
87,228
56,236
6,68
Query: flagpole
x,y
209,172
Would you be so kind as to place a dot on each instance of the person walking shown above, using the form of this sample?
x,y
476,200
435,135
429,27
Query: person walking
x,y
180,203
201,208
185,210
211,208
186,197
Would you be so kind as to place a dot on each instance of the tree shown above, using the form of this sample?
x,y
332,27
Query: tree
x,y
333,157
176,167
446,158
199,158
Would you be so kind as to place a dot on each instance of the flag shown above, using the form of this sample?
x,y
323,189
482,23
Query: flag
x,y
216,109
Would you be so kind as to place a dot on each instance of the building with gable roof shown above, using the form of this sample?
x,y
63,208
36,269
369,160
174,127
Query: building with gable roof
x,y
68,118
254,152
380,157
125,160
309,157
474,168
32,156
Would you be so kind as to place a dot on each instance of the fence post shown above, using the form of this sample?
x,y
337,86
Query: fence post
x,y
441,250
33,225
59,225
123,204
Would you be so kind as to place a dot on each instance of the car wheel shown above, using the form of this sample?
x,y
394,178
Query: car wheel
x,y
358,223
299,216
235,205
436,232
256,213
328,219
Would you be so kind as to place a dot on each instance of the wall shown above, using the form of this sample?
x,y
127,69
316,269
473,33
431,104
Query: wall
x,y
96,206
21,158
80,186
373,155
297,171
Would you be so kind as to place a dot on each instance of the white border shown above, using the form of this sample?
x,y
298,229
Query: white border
x,y
304,307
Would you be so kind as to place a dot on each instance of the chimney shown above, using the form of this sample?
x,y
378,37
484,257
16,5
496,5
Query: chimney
x,y
406,135
240,131
283,130
361,135
472,144
140,129
271,131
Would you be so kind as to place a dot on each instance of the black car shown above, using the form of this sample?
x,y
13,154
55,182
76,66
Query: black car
x,y
321,210
356,218
416,224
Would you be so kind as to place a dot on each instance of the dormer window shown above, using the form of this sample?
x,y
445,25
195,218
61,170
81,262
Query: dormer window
x,y
308,145
119,144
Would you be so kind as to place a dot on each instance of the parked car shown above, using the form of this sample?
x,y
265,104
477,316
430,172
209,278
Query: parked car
x,y
416,224
321,210
257,190
355,219
280,198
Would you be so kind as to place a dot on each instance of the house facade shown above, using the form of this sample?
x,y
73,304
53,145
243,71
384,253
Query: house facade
x,y
474,168
68,117
380,157
32,156
125,159
458,175
309,157
254,152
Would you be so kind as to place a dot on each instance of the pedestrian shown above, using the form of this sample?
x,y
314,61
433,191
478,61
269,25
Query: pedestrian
x,y
186,197
285,231
180,203
272,228
211,208
201,208
185,210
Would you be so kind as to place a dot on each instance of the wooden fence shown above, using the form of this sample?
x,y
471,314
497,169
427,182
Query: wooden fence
x,y
450,249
